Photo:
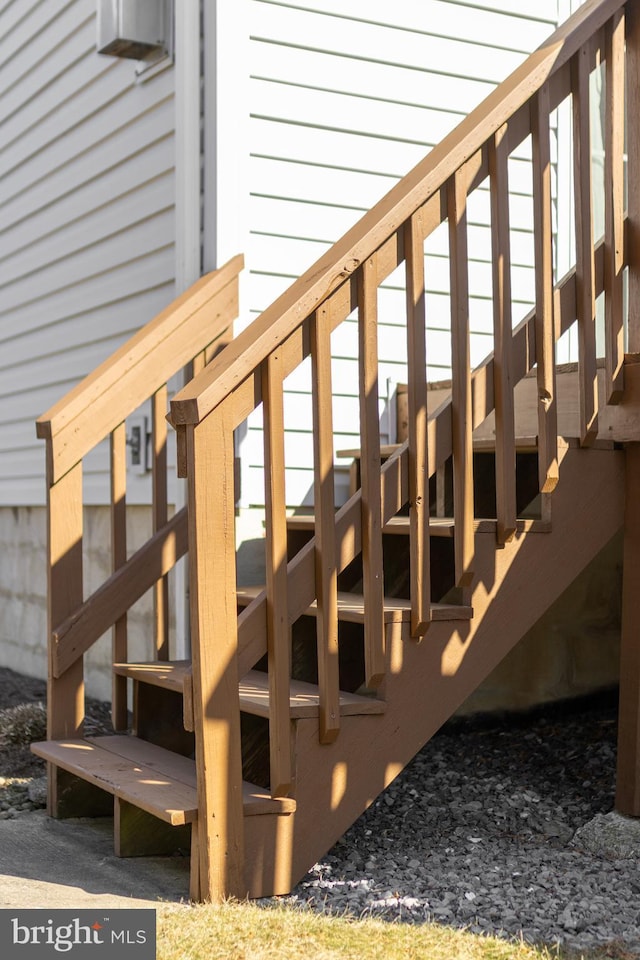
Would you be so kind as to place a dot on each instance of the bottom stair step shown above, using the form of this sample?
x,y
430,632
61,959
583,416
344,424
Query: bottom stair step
x,y
147,776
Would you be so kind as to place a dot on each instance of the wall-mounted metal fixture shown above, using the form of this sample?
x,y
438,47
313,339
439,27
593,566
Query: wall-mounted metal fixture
x,y
139,444
136,29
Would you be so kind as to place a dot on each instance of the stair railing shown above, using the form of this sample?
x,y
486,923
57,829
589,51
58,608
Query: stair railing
x,y
190,330
299,324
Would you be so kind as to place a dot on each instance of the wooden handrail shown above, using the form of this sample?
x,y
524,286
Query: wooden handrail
x,y
196,323
285,315
100,402
252,637
90,620
346,280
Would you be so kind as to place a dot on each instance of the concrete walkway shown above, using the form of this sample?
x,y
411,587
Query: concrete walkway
x,y
57,863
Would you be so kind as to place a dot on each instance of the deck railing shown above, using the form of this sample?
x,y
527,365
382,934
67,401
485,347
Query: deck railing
x,y
252,370
189,331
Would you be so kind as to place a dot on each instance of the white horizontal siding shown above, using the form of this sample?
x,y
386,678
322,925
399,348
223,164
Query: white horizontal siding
x,y
151,168
23,77
29,191
465,22
87,195
345,99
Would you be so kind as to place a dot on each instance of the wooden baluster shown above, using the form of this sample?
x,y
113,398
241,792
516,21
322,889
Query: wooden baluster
x,y
614,208
325,534
632,33
214,644
502,338
160,515
278,629
585,282
418,448
373,585
461,412
544,324
120,649
65,693
441,491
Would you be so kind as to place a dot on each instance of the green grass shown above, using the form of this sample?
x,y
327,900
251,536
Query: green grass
x,y
240,931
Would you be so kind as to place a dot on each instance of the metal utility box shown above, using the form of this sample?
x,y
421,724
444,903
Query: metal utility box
x,y
136,29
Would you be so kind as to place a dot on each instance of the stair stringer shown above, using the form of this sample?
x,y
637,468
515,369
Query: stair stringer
x,y
427,681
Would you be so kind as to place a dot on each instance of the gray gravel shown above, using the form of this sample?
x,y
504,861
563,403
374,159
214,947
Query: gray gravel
x,y
501,825
21,795
479,831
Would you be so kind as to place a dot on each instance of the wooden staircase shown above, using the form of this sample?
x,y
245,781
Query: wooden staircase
x,y
306,696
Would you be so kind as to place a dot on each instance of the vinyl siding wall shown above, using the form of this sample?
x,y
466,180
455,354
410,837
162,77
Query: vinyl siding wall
x,y
346,97
86,219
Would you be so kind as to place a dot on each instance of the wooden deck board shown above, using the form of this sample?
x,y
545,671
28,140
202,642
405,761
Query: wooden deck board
x,y
438,526
304,700
351,607
148,776
254,694
171,675
158,791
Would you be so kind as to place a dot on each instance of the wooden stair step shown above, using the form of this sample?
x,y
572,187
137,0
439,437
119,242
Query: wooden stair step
x,y
254,690
147,776
170,675
305,699
351,607
524,444
438,526
444,526
154,781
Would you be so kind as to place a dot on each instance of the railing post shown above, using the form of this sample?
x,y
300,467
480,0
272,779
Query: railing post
x,y
278,629
65,693
585,284
614,207
214,655
119,644
418,435
502,338
633,172
372,572
160,514
326,573
461,408
545,330
628,759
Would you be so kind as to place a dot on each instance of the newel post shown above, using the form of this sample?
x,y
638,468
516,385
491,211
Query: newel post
x,y
628,771
214,640
65,692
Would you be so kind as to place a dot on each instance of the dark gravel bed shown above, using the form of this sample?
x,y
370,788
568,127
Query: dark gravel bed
x,y
22,784
477,832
